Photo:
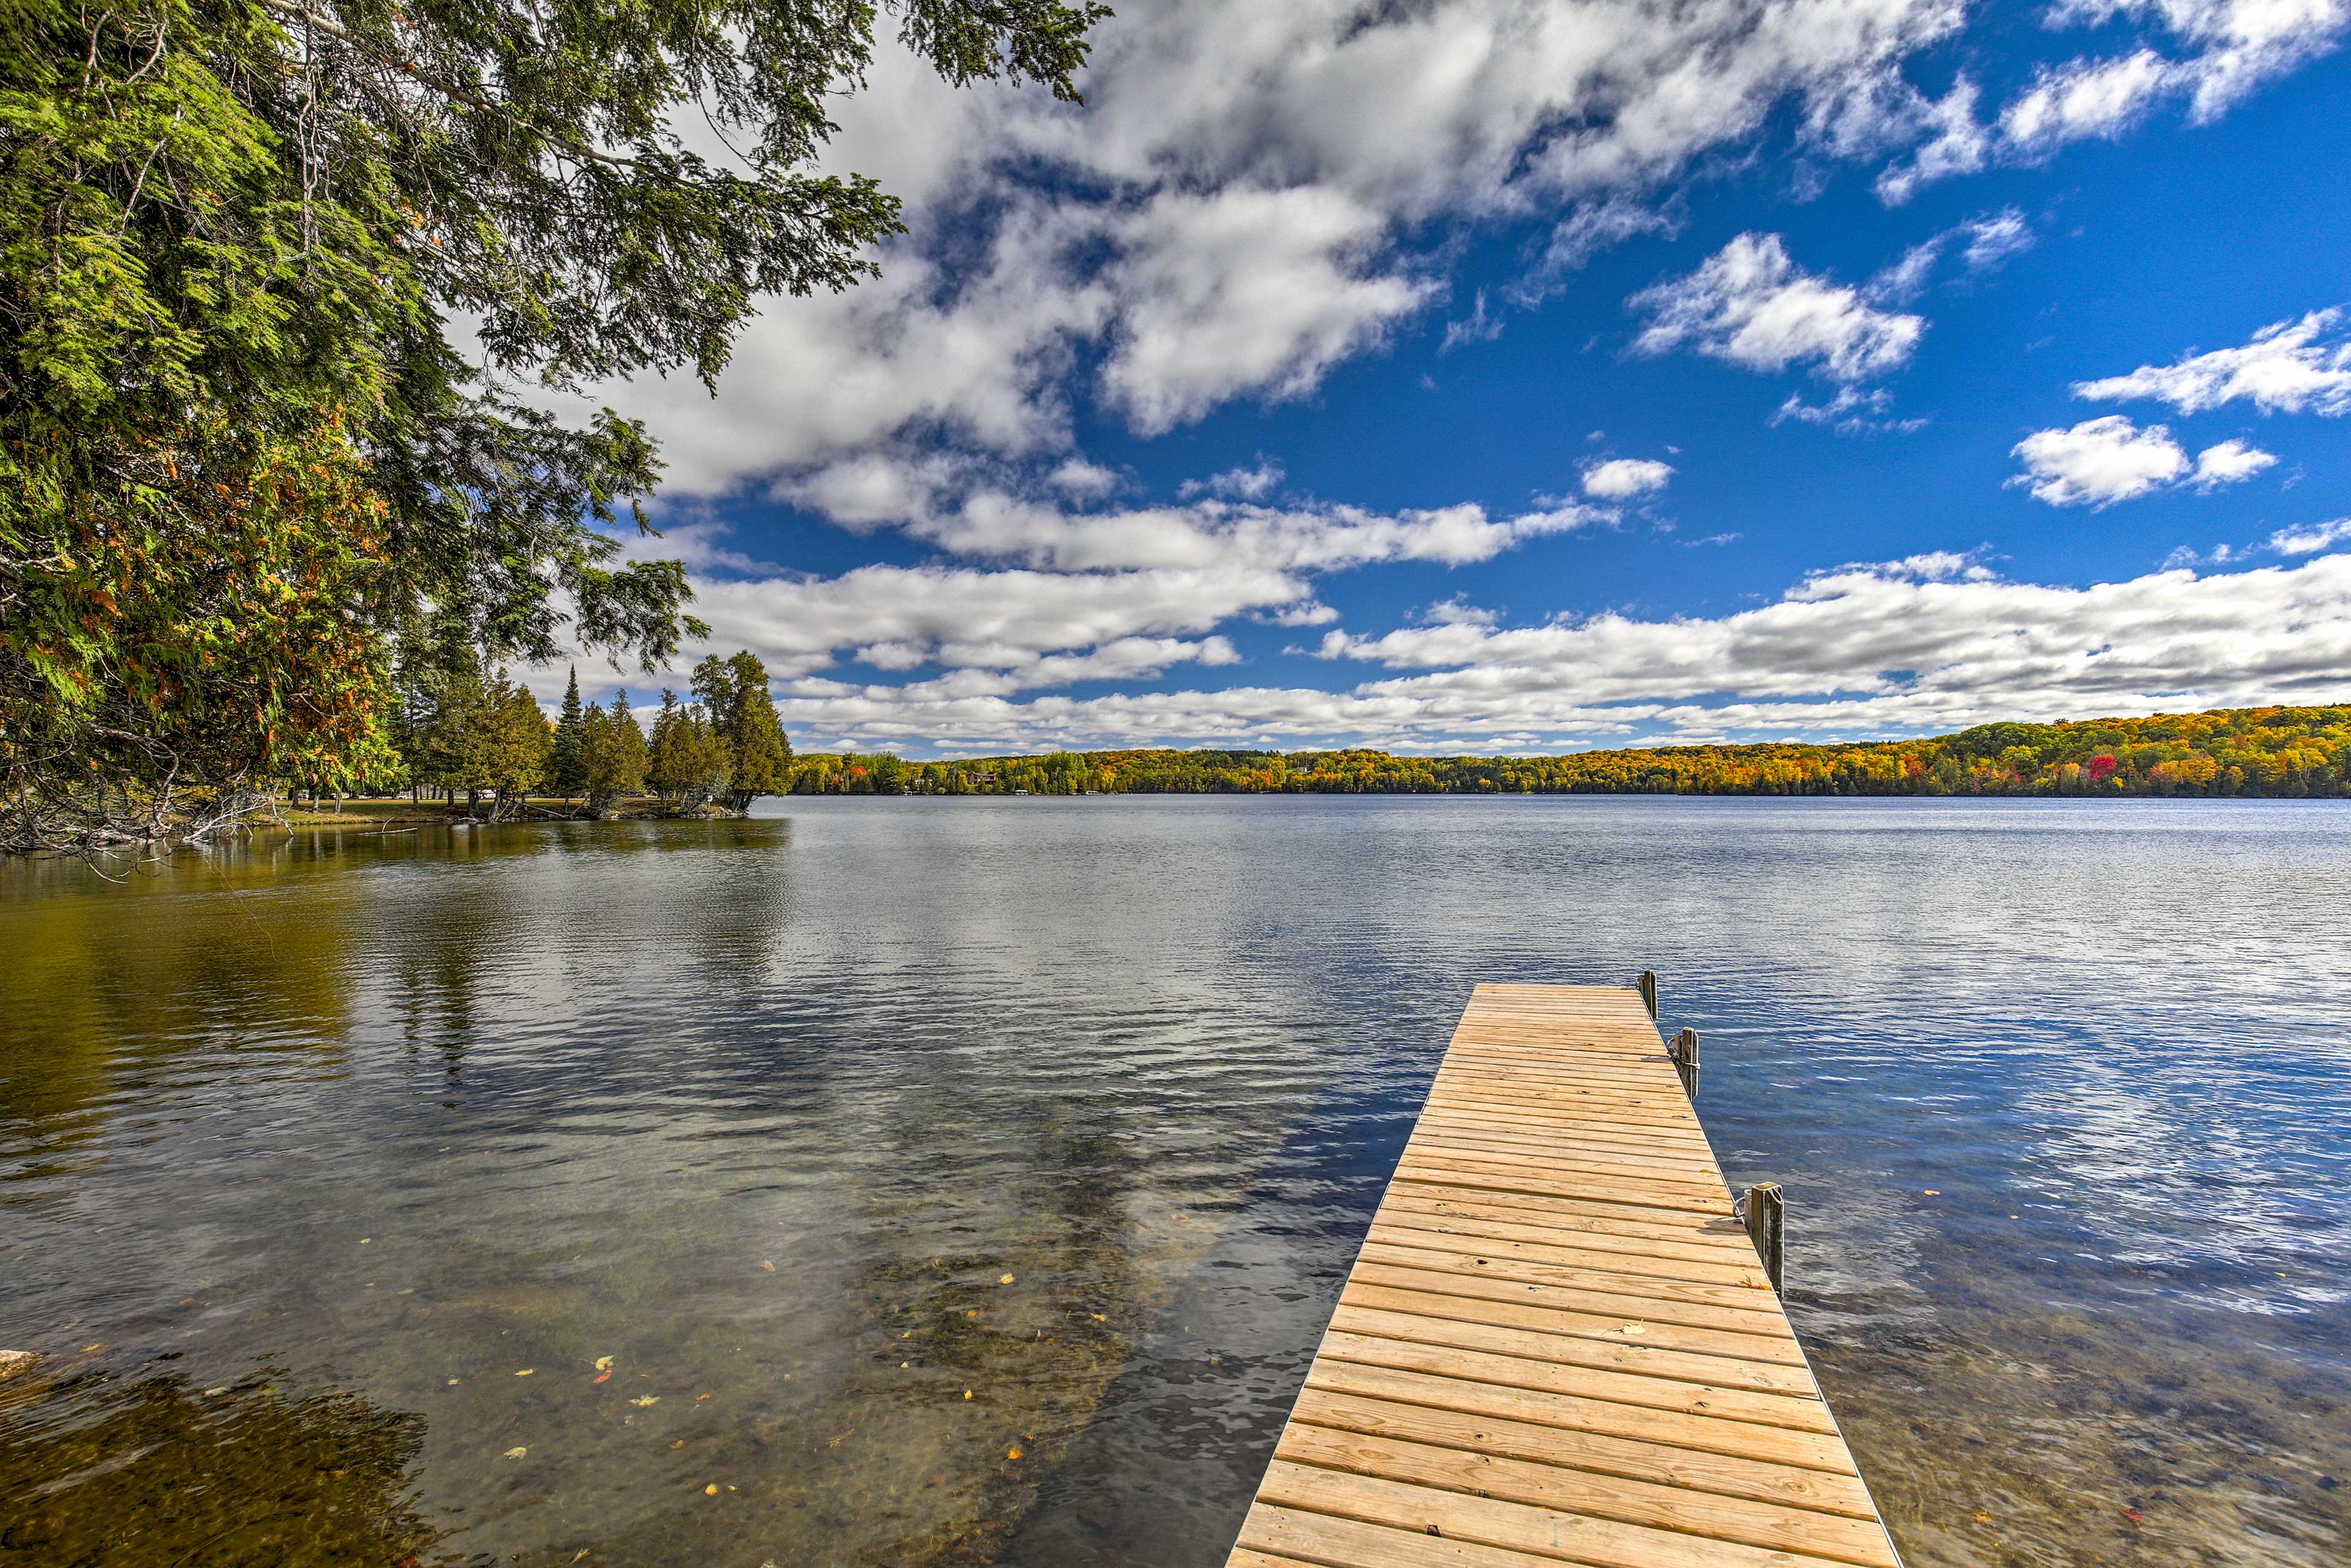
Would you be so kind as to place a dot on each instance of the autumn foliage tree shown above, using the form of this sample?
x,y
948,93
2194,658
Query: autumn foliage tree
x,y
240,456
2291,752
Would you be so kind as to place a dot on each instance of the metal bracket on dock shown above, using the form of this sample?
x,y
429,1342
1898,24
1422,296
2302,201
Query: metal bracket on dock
x,y
1648,985
1684,1053
1765,1210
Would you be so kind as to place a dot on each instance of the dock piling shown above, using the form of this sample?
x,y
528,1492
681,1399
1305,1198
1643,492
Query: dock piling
x,y
1684,1051
1648,985
1766,1212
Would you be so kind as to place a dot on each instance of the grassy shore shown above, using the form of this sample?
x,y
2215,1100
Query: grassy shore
x,y
402,812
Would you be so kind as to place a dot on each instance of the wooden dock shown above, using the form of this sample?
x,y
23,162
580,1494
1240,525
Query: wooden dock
x,y
1557,1344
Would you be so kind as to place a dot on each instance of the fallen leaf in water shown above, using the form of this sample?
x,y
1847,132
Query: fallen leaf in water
x,y
1006,1280
365,1239
1098,1317
603,1363
769,1265
904,1364
2134,1516
966,1393
700,1397
526,1372
679,1444
710,1490
1983,1518
600,1377
1013,1455
516,1453
1932,1192
643,1399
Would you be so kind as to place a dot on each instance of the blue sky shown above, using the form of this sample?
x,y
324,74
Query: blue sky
x,y
1494,377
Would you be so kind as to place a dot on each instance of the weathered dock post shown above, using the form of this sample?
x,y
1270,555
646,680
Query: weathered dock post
x,y
1648,985
1684,1053
1766,1212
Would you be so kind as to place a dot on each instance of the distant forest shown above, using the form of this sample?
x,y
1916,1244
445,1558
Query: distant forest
x,y
2268,751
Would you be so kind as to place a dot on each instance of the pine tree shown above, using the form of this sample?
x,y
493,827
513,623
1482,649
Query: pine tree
x,y
564,773
689,763
611,753
742,715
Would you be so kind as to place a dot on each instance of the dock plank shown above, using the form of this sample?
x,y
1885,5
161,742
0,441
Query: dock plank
x,y
1557,1344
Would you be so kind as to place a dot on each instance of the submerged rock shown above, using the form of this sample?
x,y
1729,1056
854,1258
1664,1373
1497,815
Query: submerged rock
x,y
13,1361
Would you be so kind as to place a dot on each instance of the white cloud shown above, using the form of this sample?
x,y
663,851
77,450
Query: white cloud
x,y
1935,643
1251,484
1245,291
1084,596
1904,278
1751,305
1955,144
1224,536
1475,328
1989,241
1031,627
1590,229
2099,462
1621,479
2102,461
1853,411
2082,100
1994,237
2310,537
1086,481
2228,463
2289,367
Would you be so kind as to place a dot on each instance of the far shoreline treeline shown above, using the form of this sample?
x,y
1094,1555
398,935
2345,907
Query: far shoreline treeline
x,y
2266,752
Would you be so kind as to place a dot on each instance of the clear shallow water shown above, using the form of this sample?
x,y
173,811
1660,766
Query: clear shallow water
x,y
309,1149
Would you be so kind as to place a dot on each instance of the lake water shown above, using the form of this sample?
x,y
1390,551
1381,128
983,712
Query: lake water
x,y
951,1181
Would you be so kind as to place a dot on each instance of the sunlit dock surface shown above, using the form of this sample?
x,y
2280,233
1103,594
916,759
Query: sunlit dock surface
x,y
1557,1344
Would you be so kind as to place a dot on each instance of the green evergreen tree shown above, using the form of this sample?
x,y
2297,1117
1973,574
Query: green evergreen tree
x,y
456,699
612,753
565,772
688,763
512,753
734,692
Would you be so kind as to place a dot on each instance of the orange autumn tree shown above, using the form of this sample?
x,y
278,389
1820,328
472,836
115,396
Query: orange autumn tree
x,y
204,632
